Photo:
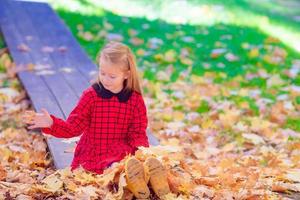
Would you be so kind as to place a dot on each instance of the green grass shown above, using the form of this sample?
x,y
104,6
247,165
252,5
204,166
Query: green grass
x,y
176,38
2,44
238,100
275,18
204,107
293,124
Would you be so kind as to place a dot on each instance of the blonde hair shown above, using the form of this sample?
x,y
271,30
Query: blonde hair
x,y
119,53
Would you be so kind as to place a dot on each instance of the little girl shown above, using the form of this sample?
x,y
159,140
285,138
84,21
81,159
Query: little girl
x,y
111,116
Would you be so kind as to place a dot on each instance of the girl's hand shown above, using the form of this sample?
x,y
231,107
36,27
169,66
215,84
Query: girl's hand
x,y
38,120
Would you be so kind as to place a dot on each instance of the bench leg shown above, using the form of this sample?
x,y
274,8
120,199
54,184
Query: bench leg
x,y
153,141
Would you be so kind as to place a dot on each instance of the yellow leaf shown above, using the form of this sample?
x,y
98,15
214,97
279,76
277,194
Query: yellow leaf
x,y
279,187
30,67
275,80
3,173
197,79
88,191
229,147
170,56
207,124
23,47
140,52
255,139
80,27
163,76
293,175
6,153
136,41
122,184
229,118
186,61
66,172
107,25
5,61
243,92
268,59
167,117
245,45
178,116
88,36
253,53
270,40
107,176
160,150
170,196
83,176
52,183
258,123
159,57
173,142
25,157
70,185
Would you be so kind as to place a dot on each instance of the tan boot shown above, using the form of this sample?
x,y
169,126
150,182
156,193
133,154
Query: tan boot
x,y
134,173
158,176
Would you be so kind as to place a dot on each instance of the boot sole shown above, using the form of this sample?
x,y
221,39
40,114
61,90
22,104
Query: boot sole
x,y
158,176
134,172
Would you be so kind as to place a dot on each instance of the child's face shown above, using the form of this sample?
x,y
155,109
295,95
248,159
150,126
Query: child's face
x,y
111,75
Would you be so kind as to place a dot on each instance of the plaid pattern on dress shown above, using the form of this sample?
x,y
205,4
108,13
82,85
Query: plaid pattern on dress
x,y
112,126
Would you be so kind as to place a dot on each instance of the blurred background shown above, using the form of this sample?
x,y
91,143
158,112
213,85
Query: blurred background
x,y
228,36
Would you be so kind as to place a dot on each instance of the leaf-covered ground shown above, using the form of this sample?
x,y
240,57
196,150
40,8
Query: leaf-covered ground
x,y
224,100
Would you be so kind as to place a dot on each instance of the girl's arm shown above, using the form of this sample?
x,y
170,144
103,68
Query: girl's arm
x,y
137,130
77,121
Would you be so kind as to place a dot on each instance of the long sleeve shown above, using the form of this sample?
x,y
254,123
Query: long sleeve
x,y
137,130
77,121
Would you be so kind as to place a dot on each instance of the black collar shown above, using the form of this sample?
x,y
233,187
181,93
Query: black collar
x,y
122,96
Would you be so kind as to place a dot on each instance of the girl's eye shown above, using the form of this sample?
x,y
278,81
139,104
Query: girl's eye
x,y
113,77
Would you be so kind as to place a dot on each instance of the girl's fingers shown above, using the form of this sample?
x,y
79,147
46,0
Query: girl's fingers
x,y
45,112
35,120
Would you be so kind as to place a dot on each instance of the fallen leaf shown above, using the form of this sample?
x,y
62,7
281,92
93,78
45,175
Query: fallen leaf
x,y
51,184
23,47
255,139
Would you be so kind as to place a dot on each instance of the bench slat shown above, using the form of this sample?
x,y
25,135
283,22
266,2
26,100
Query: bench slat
x,y
63,93
35,86
61,35
48,36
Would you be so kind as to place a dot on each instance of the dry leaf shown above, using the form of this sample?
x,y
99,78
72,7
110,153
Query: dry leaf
x,y
23,48
51,184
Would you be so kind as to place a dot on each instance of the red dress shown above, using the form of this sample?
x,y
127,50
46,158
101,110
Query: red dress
x,y
112,126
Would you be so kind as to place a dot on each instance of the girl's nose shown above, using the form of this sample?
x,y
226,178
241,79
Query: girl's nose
x,y
106,80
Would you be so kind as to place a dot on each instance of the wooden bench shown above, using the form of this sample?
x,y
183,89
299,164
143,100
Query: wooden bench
x,y
62,70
